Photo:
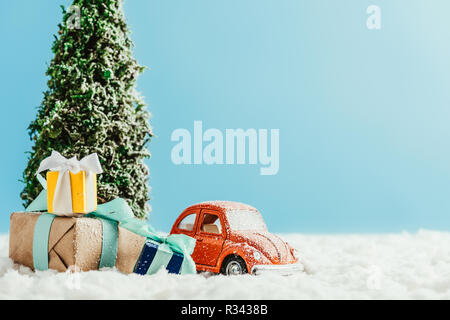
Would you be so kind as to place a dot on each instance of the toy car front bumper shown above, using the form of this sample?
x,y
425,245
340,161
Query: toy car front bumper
x,y
282,269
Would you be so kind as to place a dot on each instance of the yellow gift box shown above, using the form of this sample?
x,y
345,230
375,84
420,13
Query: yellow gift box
x,y
79,191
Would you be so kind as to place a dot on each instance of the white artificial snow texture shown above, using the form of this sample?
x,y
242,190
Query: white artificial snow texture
x,y
390,266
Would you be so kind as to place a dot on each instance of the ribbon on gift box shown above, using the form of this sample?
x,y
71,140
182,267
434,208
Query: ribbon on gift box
x,y
152,256
113,214
62,200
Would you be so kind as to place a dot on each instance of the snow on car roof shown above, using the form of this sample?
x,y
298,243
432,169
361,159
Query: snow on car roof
x,y
227,205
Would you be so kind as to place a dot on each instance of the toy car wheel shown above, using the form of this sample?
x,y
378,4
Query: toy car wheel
x,y
234,265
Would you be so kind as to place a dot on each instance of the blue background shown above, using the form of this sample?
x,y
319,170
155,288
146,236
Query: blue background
x,y
363,114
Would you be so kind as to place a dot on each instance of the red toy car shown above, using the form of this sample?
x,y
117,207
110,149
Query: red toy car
x,y
232,238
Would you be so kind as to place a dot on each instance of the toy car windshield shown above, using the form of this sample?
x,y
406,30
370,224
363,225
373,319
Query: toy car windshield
x,y
241,220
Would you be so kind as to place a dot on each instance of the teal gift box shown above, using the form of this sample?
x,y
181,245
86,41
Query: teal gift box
x,y
109,237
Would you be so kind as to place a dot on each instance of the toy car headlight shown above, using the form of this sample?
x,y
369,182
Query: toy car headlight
x,y
256,255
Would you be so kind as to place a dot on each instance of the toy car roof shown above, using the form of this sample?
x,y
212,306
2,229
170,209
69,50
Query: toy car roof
x,y
223,205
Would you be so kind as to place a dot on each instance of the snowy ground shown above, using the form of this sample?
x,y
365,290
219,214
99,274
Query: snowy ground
x,y
393,266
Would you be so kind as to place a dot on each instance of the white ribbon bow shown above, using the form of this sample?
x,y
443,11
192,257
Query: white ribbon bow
x,y
62,200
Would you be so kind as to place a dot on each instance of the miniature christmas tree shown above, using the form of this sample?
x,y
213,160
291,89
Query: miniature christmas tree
x,y
91,104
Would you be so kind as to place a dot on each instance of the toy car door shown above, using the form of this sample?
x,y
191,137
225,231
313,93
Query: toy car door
x,y
210,238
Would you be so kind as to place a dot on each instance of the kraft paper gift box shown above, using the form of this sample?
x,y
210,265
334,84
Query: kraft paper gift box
x,y
71,184
77,243
72,243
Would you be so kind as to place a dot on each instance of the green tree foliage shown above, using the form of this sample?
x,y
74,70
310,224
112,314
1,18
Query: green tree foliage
x,y
91,104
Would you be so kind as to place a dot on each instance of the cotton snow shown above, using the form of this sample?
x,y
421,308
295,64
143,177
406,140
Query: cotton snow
x,y
389,266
